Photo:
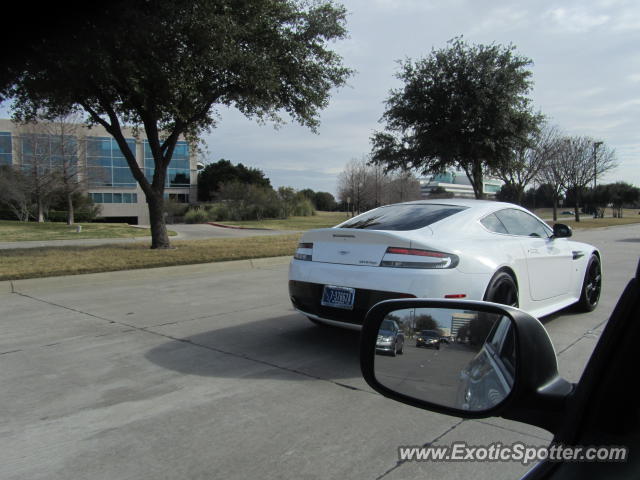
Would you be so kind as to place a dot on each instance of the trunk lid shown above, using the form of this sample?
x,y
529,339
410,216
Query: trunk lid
x,y
349,246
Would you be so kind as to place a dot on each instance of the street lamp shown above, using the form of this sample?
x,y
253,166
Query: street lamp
x,y
596,145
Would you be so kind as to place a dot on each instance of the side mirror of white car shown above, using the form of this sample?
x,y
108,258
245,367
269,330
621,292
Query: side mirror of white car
x,y
560,230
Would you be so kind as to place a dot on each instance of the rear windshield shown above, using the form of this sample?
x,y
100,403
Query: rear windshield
x,y
402,217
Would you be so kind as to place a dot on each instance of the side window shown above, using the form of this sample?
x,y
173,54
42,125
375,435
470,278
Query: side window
x,y
493,224
521,223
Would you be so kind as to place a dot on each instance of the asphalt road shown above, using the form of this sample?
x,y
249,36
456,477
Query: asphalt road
x,y
426,373
205,371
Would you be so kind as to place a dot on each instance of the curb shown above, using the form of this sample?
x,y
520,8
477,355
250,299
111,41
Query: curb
x,y
234,227
142,275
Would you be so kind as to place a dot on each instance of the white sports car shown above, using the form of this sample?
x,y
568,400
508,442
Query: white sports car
x,y
456,248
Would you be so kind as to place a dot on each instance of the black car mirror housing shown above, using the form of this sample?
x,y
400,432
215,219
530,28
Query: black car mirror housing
x,y
560,230
537,395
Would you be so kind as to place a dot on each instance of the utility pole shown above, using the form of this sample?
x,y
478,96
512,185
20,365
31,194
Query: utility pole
x,y
596,145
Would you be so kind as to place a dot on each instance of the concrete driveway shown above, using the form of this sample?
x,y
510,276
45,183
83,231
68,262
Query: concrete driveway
x,y
205,371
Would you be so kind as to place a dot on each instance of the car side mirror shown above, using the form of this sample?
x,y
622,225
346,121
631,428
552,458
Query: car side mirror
x,y
499,360
560,230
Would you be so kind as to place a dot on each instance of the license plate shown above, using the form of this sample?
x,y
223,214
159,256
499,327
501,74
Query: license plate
x,y
338,297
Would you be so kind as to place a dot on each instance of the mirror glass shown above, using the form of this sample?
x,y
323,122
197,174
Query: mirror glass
x,y
461,359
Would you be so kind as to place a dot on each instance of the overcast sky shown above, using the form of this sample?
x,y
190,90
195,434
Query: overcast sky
x,y
586,71
586,76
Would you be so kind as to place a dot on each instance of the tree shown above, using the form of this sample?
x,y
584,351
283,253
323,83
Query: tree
x,y
621,194
526,162
65,151
402,186
581,160
14,192
324,201
426,322
464,106
352,185
38,162
365,186
222,172
551,175
164,66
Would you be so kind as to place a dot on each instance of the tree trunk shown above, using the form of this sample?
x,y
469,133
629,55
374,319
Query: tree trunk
x,y
576,211
70,212
159,236
519,194
40,211
555,209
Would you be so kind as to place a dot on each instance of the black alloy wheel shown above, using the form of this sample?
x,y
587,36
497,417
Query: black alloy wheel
x,y
591,286
502,289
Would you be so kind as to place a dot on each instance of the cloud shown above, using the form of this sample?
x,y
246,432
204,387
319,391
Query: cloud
x,y
502,19
578,19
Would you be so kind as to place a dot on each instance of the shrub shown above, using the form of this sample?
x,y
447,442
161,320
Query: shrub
x,y
175,211
196,215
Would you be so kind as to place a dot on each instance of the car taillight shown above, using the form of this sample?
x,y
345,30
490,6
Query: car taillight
x,y
304,252
417,258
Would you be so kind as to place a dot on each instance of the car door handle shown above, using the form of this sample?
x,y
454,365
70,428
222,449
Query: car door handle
x,y
533,250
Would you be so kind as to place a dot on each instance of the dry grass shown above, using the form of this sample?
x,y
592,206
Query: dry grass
x,y
53,261
590,222
14,231
548,213
319,220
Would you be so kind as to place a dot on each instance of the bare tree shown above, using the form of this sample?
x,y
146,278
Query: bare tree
x,y
529,161
365,185
66,150
352,185
376,183
581,160
38,166
403,186
14,192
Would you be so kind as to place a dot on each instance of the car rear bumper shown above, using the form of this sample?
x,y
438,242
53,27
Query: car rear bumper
x,y
373,284
306,296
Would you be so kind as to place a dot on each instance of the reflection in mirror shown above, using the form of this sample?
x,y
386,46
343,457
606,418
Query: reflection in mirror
x,y
461,359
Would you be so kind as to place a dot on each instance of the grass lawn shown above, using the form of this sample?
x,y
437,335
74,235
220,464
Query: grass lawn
x,y
319,220
548,213
14,231
587,221
54,261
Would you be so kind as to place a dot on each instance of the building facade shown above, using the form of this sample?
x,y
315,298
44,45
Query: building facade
x,y
100,165
458,185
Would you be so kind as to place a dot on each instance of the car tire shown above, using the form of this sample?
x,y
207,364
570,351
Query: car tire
x,y
401,351
394,352
591,286
502,289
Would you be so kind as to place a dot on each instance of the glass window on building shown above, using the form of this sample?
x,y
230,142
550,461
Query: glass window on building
x,y
46,152
178,173
114,197
5,148
106,165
